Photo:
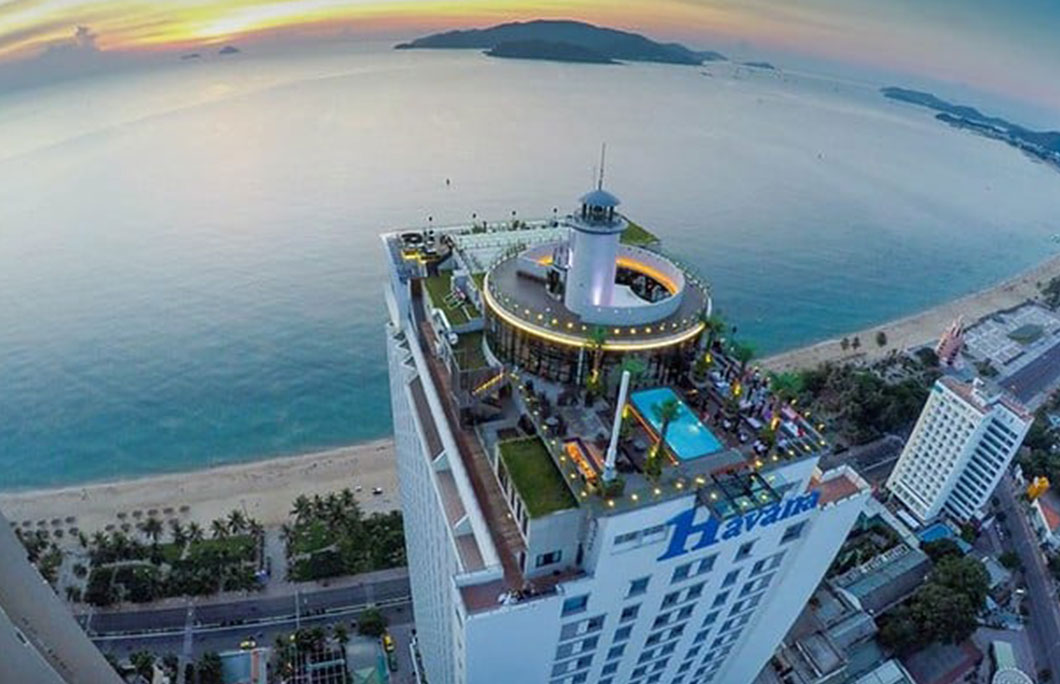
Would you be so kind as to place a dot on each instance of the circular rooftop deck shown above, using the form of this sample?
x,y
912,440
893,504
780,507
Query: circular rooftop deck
x,y
524,302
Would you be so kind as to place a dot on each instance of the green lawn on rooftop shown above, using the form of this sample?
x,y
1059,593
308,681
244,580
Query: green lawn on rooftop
x,y
636,235
535,476
468,351
439,289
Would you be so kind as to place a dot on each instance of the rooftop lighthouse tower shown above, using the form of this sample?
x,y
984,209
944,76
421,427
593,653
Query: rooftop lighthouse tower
x,y
593,244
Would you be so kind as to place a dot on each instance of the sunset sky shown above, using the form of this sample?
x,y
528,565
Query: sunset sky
x,y
1003,48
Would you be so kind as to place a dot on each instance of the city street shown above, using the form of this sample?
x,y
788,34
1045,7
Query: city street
x,y
1044,622
217,625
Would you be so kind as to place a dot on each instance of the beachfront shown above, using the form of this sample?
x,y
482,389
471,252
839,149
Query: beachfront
x,y
263,490
921,328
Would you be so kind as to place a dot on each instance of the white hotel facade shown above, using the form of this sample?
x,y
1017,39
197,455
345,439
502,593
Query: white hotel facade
x,y
584,576
962,443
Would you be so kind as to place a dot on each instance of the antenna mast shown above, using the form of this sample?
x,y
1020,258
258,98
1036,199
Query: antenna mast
x,y
603,159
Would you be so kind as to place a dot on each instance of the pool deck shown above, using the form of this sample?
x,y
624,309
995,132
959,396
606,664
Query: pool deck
x,y
643,403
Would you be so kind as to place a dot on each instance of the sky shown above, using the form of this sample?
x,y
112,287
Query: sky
x,y
1006,51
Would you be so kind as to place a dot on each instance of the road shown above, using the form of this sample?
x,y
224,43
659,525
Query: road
x,y
1044,619
253,608
196,628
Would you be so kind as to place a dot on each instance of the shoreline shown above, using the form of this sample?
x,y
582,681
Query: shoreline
x,y
263,489
923,327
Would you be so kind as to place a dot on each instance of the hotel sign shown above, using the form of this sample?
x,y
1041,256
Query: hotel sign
x,y
713,529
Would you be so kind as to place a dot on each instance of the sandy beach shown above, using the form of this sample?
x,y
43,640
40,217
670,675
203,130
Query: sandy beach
x,y
264,490
920,328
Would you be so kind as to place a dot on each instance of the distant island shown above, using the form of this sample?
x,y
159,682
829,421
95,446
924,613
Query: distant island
x,y
1041,146
759,65
229,50
191,55
565,41
543,49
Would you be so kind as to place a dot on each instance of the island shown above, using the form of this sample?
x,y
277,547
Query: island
x,y
1043,146
543,49
568,41
229,50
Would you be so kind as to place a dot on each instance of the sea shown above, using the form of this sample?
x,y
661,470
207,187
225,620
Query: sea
x,y
190,268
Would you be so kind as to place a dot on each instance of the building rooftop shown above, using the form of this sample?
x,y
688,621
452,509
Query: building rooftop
x,y
528,304
535,476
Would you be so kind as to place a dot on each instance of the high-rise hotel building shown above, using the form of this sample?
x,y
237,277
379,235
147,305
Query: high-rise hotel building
x,y
962,443
593,490
40,642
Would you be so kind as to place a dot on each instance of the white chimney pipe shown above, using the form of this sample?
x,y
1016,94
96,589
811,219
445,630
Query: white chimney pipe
x,y
612,448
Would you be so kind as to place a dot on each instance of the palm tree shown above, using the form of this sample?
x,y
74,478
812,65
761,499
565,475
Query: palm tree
x,y
342,635
713,325
194,532
597,339
152,527
785,387
743,353
301,507
347,498
666,413
636,367
237,522
219,529
177,533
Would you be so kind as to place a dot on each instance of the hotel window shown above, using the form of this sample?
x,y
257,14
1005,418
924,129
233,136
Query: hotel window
x,y
616,652
744,551
685,613
670,599
707,564
638,586
681,572
710,618
694,591
610,668
629,613
721,598
730,578
793,532
622,633
548,558
575,604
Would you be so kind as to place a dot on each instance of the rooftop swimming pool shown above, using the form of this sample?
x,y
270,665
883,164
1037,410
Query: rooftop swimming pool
x,y
687,437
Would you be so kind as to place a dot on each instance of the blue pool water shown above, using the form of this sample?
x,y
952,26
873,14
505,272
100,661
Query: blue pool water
x,y
687,437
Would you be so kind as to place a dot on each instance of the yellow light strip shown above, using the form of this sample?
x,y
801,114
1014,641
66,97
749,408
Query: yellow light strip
x,y
633,265
641,267
572,341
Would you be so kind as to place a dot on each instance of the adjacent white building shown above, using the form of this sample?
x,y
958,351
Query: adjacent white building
x,y
962,443
40,641
527,564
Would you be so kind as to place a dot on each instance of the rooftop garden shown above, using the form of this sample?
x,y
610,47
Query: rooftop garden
x,y
638,236
535,476
468,351
457,309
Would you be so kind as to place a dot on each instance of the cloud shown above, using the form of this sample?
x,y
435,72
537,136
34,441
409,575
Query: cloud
x,y
75,56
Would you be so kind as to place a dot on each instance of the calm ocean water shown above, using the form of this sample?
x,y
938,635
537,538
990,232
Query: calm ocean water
x,y
189,267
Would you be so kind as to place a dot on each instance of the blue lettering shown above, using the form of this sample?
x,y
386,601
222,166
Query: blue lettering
x,y
685,526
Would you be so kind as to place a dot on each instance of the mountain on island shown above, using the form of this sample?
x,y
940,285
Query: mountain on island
x,y
1039,145
228,50
568,41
